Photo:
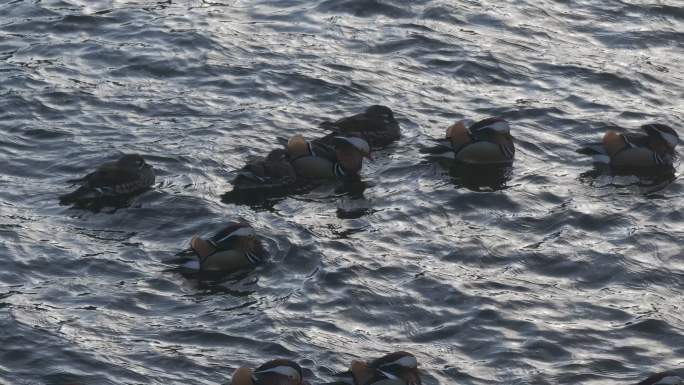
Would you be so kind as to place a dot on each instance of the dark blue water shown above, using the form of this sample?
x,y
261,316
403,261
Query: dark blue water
x,y
556,276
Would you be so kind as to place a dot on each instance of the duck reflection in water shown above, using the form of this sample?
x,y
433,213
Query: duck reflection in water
x,y
480,178
646,179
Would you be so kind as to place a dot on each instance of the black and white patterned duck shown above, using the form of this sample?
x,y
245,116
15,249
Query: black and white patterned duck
x,y
233,248
398,368
487,142
655,146
274,372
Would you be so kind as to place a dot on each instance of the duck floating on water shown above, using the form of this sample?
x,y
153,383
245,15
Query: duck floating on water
x,y
274,172
376,126
127,175
487,142
233,248
663,378
654,147
398,368
300,165
317,160
275,372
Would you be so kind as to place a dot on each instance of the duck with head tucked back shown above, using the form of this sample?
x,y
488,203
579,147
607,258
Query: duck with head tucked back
x,y
654,147
233,248
398,368
273,172
376,126
316,160
127,175
274,372
663,378
487,142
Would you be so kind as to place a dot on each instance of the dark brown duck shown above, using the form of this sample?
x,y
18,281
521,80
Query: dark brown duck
x,y
129,174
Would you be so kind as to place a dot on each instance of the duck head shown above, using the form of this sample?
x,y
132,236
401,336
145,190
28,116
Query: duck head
x,y
458,133
662,133
239,237
398,368
297,146
275,372
350,152
613,142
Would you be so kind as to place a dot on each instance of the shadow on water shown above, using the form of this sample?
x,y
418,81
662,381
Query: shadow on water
x,y
646,179
107,205
265,198
481,178
478,178
212,282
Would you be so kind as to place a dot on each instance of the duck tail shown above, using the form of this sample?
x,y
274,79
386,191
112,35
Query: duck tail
x,y
73,197
596,151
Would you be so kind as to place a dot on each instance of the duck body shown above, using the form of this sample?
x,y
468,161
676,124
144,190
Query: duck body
x,y
654,147
129,174
398,368
233,248
376,125
299,166
341,159
274,372
271,172
487,142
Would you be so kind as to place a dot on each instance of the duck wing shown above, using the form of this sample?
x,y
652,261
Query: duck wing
x,y
637,140
274,170
377,130
110,174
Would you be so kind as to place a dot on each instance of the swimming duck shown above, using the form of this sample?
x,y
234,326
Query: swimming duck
x,y
275,372
488,141
654,147
376,126
233,248
664,378
272,172
126,175
317,160
398,368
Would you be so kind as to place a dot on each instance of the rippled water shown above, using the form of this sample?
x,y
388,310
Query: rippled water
x,y
562,276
